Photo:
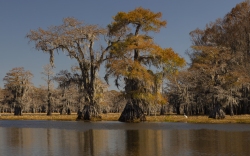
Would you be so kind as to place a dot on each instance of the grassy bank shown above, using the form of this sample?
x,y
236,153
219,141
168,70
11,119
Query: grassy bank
x,y
115,116
201,119
38,116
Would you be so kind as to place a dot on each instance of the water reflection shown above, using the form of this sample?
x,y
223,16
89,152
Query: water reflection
x,y
107,142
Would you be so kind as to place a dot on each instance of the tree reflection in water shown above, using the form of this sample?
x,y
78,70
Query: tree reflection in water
x,y
167,139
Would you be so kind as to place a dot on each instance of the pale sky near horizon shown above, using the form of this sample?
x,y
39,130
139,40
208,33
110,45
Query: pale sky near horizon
x,y
19,17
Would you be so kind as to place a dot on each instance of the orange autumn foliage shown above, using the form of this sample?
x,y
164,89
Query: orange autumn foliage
x,y
137,58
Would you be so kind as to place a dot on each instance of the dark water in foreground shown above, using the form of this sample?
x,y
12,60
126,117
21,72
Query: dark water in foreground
x,y
52,138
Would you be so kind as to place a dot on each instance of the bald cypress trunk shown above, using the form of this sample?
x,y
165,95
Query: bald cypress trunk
x,y
162,111
217,112
89,113
17,110
49,112
132,113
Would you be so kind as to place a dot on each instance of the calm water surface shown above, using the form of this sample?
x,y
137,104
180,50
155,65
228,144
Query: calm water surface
x,y
51,138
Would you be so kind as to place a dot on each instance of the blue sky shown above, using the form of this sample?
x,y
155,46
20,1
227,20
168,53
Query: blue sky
x,y
19,17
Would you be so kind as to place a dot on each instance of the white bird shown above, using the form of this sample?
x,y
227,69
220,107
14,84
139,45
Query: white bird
x,y
185,115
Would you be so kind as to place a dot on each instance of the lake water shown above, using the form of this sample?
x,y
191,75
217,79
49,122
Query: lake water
x,y
52,138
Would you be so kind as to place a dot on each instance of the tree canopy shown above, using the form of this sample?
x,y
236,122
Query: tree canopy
x,y
18,83
77,40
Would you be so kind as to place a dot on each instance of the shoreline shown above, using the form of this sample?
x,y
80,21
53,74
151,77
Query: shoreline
x,y
114,117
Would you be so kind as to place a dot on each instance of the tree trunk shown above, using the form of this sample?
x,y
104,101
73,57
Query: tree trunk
x,y
178,110
245,106
68,111
231,110
132,113
49,104
17,110
89,113
63,111
148,111
33,110
163,111
217,112
49,109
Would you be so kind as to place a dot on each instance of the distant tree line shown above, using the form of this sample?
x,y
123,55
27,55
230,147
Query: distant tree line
x,y
20,95
218,79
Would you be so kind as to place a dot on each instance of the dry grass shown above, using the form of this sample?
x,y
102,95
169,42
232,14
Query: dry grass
x,y
38,116
110,116
200,119
115,117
